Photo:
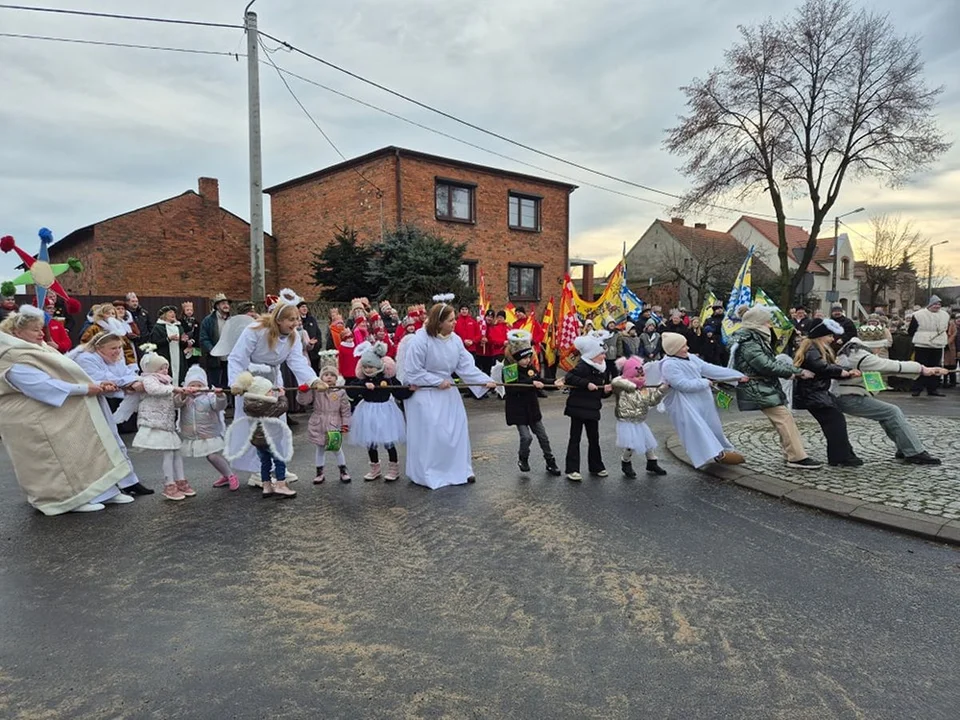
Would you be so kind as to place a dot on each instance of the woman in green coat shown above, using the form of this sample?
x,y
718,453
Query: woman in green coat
x,y
754,357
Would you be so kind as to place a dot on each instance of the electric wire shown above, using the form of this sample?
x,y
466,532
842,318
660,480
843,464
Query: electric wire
x,y
106,43
118,16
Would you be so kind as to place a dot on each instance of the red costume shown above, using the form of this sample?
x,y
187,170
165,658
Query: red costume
x,y
468,329
346,362
496,339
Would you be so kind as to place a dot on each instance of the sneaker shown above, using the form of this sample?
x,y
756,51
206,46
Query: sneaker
x,y
234,483
255,481
184,487
852,462
138,489
118,499
281,491
923,458
89,507
291,477
172,492
374,473
805,464
574,476
601,473
221,482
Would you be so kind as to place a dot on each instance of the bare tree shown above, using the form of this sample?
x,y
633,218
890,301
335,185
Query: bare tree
x,y
711,268
895,245
799,106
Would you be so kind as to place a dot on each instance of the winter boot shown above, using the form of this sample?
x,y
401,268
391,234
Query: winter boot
x,y
281,491
374,472
344,474
626,467
319,478
393,472
552,468
524,463
653,467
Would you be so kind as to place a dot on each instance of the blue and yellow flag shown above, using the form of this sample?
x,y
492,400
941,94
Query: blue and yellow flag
x,y
740,294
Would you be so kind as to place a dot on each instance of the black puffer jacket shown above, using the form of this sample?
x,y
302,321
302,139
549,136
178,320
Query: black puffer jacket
x,y
815,393
382,392
582,403
520,403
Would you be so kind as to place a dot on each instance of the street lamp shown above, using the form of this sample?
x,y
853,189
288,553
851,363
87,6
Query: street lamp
x,y
930,268
836,252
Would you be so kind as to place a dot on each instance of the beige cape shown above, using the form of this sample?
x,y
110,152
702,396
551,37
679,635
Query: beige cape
x,y
63,456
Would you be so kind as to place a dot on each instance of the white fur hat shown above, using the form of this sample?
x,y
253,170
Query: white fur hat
x,y
195,374
253,387
151,362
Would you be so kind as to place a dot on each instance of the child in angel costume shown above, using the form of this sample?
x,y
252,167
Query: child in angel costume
x,y
377,419
331,415
633,403
521,402
201,425
262,427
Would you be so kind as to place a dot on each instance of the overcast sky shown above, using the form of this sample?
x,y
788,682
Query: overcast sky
x,y
90,132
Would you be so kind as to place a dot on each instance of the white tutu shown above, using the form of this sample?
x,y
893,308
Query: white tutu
x,y
635,435
199,447
148,438
376,424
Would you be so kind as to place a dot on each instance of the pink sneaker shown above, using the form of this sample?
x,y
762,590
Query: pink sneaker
x,y
222,482
234,483
184,487
172,492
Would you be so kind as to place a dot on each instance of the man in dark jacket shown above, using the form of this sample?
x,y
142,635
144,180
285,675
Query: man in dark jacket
x,y
714,323
849,329
310,324
140,316
754,357
210,328
191,328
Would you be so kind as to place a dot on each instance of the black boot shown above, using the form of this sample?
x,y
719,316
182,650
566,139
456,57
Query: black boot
x,y
552,468
626,467
653,467
138,489
524,463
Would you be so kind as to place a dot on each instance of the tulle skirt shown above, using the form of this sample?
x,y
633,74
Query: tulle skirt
x,y
376,424
201,447
148,438
635,436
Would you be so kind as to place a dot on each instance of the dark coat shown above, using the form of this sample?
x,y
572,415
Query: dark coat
x,y
191,328
815,393
521,404
209,337
584,404
312,327
755,359
849,329
695,341
158,336
381,393
714,351
144,322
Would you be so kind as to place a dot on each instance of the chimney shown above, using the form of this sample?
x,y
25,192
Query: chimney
x,y
700,226
210,190
677,220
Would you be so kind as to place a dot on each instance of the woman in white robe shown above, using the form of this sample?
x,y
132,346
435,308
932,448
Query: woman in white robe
x,y
55,424
271,340
438,438
690,402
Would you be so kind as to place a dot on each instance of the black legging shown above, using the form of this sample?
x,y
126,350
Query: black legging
x,y
594,460
834,427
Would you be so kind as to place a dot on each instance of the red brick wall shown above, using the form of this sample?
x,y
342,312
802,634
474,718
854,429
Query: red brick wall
x,y
184,246
305,217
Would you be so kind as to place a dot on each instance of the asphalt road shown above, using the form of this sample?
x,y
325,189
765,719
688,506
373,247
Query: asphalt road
x,y
674,597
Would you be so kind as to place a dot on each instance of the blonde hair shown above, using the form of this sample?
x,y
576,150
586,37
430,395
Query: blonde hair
x,y
99,340
99,310
269,322
825,348
18,321
436,316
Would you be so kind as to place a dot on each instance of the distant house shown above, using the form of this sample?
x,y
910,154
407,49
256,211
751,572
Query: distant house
x,y
186,246
675,265
516,227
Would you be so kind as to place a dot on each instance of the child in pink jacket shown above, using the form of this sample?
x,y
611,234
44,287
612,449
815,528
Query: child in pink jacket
x,y
330,418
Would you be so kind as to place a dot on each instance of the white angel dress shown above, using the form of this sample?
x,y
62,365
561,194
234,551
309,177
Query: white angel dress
x,y
438,439
690,404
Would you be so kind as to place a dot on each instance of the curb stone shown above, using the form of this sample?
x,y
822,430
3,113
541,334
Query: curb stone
x,y
907,521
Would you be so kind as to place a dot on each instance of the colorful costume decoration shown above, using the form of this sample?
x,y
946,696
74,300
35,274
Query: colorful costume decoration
x,y
40,273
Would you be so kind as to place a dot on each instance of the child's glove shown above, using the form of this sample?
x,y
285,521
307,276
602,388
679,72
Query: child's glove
x,y
319,384
344,428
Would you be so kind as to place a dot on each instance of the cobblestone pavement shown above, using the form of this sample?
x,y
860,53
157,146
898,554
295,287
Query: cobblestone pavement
x,y
932,490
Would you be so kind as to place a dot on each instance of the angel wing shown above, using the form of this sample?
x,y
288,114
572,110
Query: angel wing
x,y
279,438
496,374
237,439
230,334
128,408
653,373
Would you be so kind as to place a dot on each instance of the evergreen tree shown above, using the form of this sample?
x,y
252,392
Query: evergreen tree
x,y
342,269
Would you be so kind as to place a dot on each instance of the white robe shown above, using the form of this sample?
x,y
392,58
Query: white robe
x,y
691,406
438,439
252,348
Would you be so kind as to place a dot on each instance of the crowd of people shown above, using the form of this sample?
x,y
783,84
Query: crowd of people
x,y
372,379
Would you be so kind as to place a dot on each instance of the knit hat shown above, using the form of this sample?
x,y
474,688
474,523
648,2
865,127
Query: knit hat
x,y
254,388
822,328
631,369
934,300
628,326
373,356
151,362
245,307
673,342
195,374
588,346
757,317
650,323
518,344
836,306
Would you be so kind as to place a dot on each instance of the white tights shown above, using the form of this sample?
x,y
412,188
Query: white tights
x,y
172,466
220,464
322,457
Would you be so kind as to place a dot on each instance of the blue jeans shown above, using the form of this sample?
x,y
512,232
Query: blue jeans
x,y
267,463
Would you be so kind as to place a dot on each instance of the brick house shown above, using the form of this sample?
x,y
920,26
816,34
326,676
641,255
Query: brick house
x,y
186,245
516,226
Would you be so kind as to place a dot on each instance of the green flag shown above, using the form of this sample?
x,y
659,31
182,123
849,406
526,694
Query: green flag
x,y
724,400
873,382
510,373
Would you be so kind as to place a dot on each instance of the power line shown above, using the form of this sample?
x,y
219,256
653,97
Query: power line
x,y
478,128
855,232
116,16
78,41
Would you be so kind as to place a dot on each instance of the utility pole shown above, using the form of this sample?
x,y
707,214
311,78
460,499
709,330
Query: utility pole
x,y
257,269
834,295
930,268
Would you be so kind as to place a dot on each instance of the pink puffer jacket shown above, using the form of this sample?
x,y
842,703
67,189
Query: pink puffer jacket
x,y
331,411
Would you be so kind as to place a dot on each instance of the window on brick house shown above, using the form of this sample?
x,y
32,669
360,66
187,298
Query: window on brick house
x,y
454,201
523,212
468,272
523,282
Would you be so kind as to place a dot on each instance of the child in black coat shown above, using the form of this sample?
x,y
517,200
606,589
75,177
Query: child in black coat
x,y
589,384
521,405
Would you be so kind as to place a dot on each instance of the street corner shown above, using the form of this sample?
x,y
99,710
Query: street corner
x,y
917,499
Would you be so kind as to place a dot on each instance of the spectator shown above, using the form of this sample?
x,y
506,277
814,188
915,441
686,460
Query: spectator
x,y
468,329
104,319
334,329
59,336
650,347
695,336
610,349
715,322
839,317
391,320
875,336
800,320
950,354
140,316
172,344
210,328
191,328
675,324
713,350
8,305
123,315
485,350
312,328
628,342
929,329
